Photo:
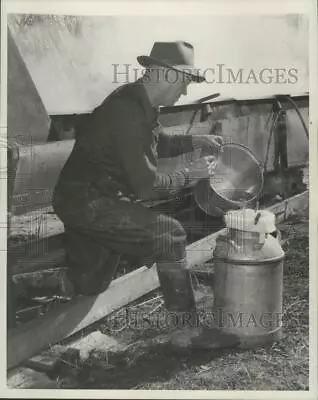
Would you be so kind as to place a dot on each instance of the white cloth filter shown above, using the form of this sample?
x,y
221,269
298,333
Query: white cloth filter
x,y
249,220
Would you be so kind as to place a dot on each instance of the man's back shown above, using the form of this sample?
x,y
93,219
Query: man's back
x,y
112,134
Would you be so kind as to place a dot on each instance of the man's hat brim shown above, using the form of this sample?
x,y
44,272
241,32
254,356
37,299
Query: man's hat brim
x,y
193,73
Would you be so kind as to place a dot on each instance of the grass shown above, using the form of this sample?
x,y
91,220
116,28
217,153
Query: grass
x,y
149,363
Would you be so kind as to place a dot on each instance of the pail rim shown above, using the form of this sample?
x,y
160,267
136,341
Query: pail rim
x,y
252,156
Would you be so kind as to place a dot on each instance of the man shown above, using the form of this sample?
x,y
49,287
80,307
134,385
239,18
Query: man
x,y
113,167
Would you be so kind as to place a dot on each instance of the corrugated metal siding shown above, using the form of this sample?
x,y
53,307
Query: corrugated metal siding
x,y
246,124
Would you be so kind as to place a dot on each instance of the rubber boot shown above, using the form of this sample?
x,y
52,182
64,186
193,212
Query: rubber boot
x,y
178,295
176,286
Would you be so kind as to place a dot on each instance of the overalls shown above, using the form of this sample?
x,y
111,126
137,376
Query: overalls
x,y
112,168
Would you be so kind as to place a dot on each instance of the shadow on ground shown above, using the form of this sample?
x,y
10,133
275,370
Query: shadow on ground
x,y
145,364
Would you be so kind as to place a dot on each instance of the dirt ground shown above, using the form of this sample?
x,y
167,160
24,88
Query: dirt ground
x,y
148,363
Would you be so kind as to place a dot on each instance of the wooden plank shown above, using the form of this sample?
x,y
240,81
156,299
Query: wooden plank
x,y
52,280
291,206
52,259
29,339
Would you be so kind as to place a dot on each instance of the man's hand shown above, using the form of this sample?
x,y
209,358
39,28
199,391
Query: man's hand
x,y
202,168
207,144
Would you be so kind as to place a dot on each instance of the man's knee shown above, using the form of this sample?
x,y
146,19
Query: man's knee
x,y
169,225
171,239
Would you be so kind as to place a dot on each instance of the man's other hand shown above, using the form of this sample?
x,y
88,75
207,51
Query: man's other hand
x,y
202,168
207,144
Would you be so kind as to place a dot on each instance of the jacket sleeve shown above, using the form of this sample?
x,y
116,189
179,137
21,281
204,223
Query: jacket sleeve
x,y
173,145
130,135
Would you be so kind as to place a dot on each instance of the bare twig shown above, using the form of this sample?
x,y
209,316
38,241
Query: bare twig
x,y
148,301
294,304
247,372
156,308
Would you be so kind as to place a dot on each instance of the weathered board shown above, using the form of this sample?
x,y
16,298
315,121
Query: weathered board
x,y
27,119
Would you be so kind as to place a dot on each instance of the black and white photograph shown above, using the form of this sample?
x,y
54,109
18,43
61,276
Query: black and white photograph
x,y
156,173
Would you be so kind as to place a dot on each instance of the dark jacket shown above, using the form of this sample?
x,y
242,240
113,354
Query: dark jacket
x,y
117,150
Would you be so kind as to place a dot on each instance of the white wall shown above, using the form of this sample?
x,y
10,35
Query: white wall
x,y
73,70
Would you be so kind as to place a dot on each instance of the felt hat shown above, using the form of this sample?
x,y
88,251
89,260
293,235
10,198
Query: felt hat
x,y
175,55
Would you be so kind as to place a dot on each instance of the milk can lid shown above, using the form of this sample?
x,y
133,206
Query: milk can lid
x,y
251,220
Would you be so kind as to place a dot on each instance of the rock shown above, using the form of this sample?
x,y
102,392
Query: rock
x,y
97,342
25,378
60,360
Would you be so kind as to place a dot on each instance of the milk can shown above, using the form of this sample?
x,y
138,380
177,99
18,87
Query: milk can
x,y
248,281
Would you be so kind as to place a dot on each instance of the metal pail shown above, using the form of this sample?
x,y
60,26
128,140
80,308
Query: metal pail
x,y
237,182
